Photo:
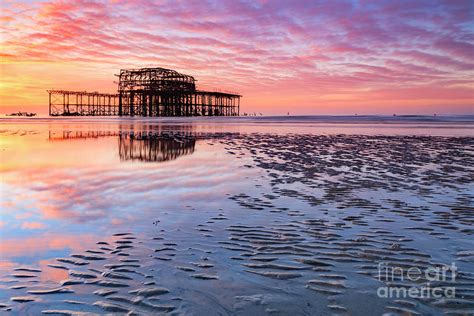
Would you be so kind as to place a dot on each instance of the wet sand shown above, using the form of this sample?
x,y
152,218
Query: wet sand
x,y
245,223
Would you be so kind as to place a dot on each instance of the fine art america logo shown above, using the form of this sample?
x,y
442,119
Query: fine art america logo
x,y
427,281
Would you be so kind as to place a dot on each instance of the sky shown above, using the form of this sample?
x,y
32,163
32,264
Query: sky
x,y
302,57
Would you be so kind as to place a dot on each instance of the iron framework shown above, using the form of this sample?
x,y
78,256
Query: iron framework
x,y
70,103
147,92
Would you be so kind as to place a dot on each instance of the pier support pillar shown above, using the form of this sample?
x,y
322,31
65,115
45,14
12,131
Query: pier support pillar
x,y
120,105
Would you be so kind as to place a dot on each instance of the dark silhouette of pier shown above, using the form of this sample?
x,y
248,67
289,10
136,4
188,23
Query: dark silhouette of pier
x,y
139,146
154,148
150,92
147,144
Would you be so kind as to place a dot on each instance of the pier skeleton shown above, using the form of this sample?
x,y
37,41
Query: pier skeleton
x,y
146,92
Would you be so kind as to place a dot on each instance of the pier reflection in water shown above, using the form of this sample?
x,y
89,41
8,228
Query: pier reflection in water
x,y
154,147
145,146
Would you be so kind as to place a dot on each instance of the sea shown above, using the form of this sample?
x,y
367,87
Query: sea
x,y
271,215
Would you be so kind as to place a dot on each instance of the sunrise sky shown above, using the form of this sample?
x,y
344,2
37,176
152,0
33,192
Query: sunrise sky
x,y
305,57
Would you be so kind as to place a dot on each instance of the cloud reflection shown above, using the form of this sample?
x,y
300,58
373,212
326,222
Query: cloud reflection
x,y
107,192
80,185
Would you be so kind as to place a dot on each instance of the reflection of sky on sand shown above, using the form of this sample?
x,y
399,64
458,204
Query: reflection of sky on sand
x,y
58,195
67,178
190,201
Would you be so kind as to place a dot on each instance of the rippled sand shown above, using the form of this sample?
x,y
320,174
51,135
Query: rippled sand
x,y
235,223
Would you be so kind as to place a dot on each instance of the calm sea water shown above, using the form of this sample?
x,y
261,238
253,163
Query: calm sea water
x,y
224,212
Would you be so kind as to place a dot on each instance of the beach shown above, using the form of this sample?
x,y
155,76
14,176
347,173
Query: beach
x,y
237,216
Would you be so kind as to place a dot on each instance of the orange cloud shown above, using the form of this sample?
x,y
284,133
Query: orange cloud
x,y
32,225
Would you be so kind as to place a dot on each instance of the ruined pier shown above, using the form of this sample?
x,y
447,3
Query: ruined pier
x,y
150,92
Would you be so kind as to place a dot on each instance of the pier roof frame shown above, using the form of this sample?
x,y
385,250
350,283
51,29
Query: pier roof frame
x,y
154,80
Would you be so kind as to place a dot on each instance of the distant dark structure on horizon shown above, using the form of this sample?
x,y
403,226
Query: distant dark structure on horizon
x,y
146,92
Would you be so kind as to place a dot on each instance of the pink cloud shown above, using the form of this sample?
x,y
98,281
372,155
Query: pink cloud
x,y
32,225
459,49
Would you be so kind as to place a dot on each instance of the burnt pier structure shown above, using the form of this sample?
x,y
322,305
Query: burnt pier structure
x,y
153,92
